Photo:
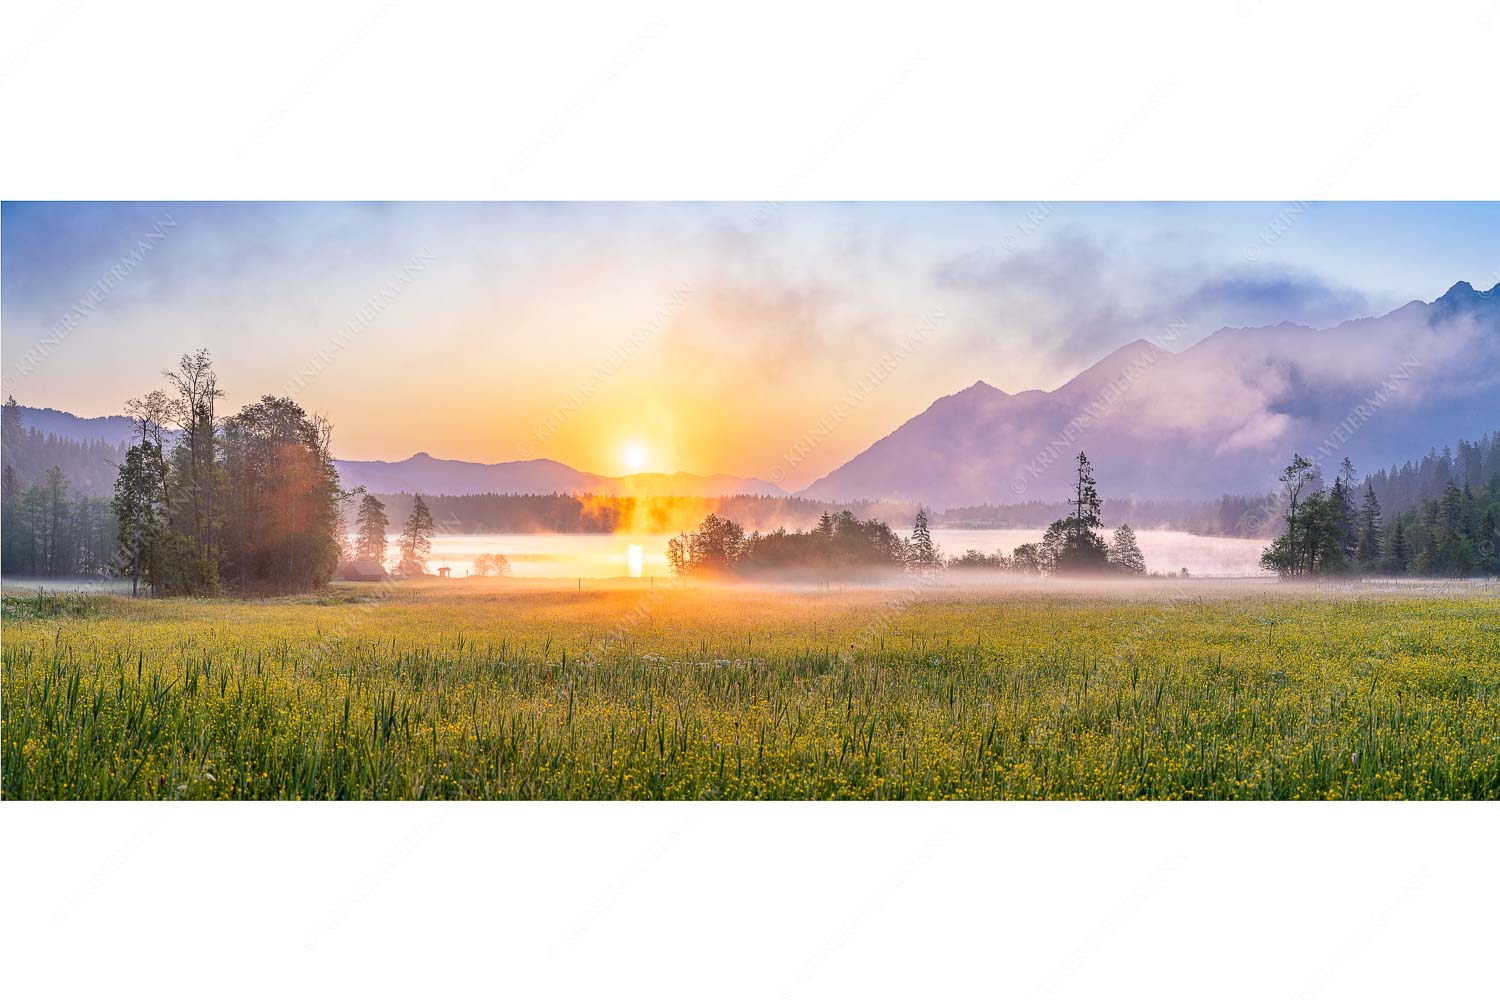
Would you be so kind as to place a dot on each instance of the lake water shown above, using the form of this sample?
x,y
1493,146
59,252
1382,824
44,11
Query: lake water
x,y
646,555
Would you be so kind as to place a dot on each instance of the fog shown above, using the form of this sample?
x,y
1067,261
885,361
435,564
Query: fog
x,y
542,555
595,556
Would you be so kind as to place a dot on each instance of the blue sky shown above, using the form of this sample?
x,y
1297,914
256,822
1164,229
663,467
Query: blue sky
x,y
715,334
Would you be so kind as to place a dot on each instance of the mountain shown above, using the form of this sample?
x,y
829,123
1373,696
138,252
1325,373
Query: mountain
x,y
113,431
1223,415
424,474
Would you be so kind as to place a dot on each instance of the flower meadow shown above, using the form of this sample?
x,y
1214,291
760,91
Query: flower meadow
x,y
633,690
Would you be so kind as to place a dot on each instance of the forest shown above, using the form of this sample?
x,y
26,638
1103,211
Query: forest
x,y
49,527
201,504
1428,525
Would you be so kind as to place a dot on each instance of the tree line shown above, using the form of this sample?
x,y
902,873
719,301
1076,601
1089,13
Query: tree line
x,y
1451,531
595,513
88,466
47,532
844,545
48,528
1405,487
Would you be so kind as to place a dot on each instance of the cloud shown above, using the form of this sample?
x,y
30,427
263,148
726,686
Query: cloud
x,y
1263,296
1075,297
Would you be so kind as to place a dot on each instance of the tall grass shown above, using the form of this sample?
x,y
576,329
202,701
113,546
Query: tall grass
x,y
488,692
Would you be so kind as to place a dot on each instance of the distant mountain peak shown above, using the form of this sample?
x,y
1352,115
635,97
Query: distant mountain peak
x,y
1462,298
978,391
422,473
1219,416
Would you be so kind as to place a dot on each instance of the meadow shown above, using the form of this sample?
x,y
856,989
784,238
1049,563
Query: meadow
x,y
521,689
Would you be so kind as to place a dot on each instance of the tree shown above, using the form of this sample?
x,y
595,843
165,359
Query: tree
x,y
1345,519
415,542
924,554
1287,554
57,515
1124,553
1489,542
370,528
195,456
491,564
1074,543
10,426
1031,559
14,533
281,499
714,548
1085,503
1400,553
138,514
1368,548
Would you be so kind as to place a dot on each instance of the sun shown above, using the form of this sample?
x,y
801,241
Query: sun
x,y
635,456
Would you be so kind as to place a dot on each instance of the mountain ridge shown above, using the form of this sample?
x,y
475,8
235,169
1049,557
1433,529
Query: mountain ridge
x,y
424,473
1214,417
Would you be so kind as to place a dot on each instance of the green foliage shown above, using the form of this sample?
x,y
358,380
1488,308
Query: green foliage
x,y
250,502
50,532
1452,533
46,605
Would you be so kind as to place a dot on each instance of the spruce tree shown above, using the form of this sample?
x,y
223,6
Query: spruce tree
x,y
923,553
416,539
1400,555
1368,551
1074,541
370,527
1345,521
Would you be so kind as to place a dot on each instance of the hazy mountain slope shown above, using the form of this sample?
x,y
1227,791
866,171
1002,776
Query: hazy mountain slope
x,y
111,430
1222,415
424,474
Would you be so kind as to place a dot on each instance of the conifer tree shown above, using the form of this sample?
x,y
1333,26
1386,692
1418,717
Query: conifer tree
x,y
924,554
416,539
1368,551
370,528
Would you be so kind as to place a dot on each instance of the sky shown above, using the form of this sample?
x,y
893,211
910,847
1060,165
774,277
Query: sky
x,y
754,338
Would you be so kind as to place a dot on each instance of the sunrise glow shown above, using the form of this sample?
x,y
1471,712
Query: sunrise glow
x,y
635,456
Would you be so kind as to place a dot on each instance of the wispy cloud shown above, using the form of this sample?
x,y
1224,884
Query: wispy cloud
x,y
1076,296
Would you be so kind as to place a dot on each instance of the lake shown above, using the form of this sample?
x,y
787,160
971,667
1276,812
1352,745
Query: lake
x,y
646,555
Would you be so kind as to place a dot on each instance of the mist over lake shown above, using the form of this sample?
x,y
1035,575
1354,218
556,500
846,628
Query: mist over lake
x,y
600,555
